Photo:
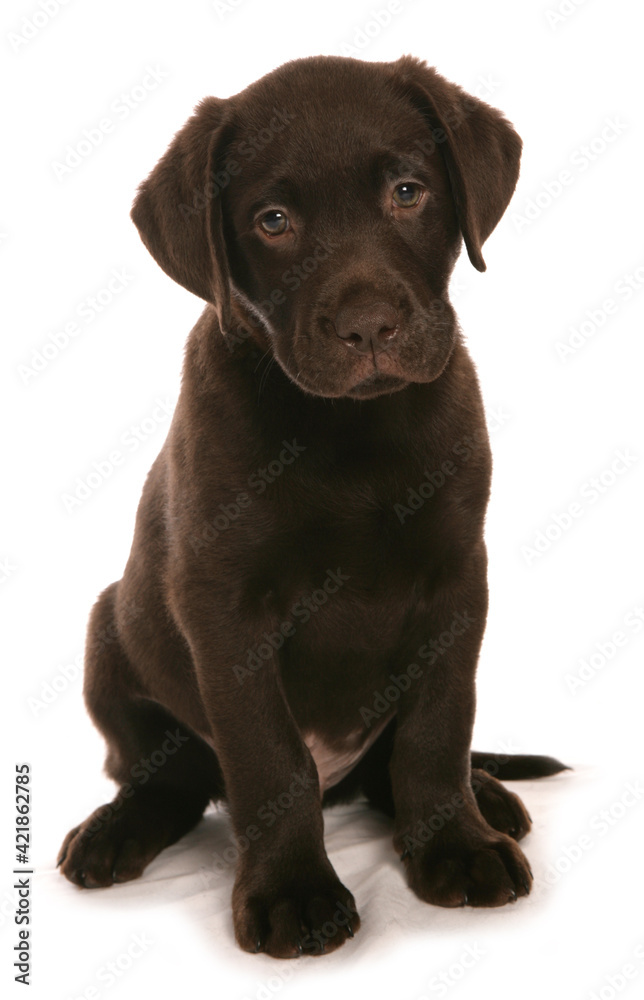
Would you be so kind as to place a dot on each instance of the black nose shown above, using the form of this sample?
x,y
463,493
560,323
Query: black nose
x,y
367,328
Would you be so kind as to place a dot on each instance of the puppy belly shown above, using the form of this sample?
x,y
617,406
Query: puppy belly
x,y
335,759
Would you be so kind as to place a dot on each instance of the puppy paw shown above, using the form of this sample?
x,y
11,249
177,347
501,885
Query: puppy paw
x,y
305,914
502,809
473,870
115,843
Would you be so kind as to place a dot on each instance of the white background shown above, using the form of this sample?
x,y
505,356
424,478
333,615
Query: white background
x,y
561,82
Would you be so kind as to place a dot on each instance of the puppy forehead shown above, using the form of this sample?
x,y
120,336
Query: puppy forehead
x,y
325,114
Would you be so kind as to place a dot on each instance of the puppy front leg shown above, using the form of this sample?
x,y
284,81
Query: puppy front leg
x,y
452,855
287,899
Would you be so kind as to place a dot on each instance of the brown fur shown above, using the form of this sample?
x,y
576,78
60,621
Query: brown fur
x,y
328,355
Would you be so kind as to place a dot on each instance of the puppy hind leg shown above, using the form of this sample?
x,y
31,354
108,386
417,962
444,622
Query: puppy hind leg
x,y
166,773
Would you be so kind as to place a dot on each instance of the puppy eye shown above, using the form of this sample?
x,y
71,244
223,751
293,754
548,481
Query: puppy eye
x,y
407,195
274,223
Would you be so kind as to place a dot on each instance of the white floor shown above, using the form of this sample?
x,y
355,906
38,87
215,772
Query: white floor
x,y
170,934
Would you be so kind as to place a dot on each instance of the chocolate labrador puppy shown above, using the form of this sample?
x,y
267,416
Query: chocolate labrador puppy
x,y
300,618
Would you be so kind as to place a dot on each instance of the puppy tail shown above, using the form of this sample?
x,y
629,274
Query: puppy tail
x,y
517,766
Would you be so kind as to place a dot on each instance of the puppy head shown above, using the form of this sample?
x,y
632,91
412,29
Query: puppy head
x,y
324,206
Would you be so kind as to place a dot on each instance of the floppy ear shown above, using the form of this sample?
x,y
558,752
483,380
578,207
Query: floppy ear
x,y
481,150
177,210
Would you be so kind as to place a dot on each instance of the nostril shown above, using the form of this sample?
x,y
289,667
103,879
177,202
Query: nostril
x,y
387,333
367,328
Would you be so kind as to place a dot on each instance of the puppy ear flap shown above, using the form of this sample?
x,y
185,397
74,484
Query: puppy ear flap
x,y
177,210
482,151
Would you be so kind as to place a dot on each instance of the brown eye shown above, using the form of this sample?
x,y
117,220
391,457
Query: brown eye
x,y
274,223
407,195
